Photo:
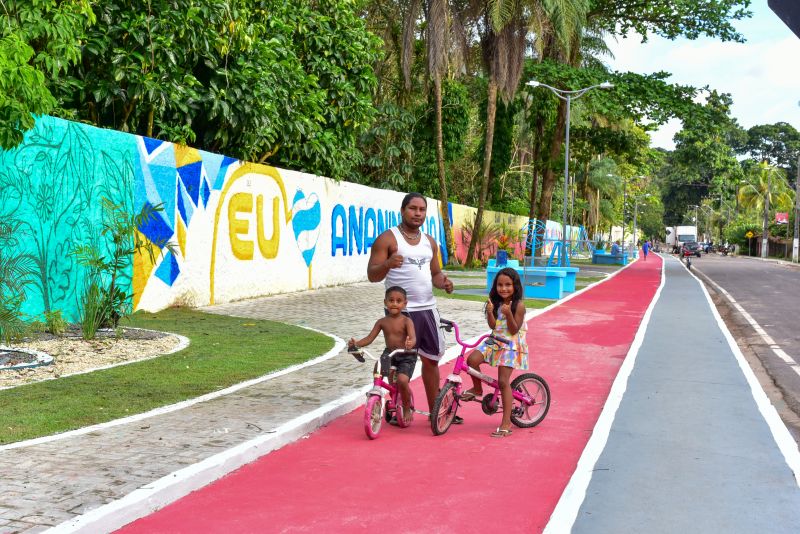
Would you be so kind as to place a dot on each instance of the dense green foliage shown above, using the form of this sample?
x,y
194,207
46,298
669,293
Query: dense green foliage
x,y
289,83
345,88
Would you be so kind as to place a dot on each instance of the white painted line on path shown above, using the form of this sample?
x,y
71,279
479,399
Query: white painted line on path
x,y
781,435
566,511
339,344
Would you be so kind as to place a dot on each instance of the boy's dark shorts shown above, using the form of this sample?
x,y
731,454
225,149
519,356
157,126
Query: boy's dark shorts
x,y
404,363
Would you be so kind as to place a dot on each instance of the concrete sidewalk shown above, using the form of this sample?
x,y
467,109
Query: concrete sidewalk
x,y
45,484
694,445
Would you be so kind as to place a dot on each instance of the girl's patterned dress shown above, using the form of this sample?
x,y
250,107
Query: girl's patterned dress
x,y
495,353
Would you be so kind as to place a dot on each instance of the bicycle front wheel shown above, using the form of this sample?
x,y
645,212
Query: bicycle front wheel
x,y
534,387
444,409
372,416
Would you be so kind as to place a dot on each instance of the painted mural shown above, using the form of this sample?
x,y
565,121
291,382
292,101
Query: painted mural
x,y
235,229
50,186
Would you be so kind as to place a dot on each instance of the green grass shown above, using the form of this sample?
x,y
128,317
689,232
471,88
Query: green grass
x,y
586,280
223,351
529,303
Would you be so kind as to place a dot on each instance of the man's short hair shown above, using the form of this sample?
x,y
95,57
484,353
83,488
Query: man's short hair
x,y
409,197
396,289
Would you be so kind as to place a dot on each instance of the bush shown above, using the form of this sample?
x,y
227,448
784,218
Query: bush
x,y
735,233
15,273
55,323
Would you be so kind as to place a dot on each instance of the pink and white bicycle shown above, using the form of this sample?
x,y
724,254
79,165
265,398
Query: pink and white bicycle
x,y
531,393
374,410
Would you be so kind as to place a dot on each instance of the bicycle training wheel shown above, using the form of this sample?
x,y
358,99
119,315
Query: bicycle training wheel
x,y
536,388
401,422
372,416
444,409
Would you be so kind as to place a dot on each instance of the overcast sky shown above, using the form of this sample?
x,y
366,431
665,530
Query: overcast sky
x,y
762,74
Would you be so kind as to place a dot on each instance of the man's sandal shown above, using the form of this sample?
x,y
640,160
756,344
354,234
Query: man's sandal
x,y
501,433
470,395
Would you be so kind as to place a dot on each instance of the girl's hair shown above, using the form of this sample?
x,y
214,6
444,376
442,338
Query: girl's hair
x,y
497,300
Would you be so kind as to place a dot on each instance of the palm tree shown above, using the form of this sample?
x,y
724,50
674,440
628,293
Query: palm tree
x,y
766,188
506,25
437,41
15,273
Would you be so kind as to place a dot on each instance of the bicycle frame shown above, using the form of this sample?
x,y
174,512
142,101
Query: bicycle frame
x,y
377,378
461,365
374,407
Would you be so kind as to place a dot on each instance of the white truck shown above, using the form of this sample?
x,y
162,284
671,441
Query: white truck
x,y
678,235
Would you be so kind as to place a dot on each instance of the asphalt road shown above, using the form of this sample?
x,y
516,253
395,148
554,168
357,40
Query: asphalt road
x,y
770,293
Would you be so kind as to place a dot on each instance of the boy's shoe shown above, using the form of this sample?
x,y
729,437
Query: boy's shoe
x,y
458,420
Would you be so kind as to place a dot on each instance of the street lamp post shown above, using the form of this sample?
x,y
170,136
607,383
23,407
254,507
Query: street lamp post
x,y
624,202
708,219
567,96
796,241
635,212
765,233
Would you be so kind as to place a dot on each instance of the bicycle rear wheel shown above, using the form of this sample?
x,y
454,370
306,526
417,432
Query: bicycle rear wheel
x,y
372,416
401,422
536,389
444,409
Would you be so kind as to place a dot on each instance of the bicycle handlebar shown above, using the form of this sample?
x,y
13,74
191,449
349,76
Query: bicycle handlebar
x,y
450,325
359,353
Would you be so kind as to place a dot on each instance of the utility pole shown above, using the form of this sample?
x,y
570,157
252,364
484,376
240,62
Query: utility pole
x,y
796,244
765,236
624,202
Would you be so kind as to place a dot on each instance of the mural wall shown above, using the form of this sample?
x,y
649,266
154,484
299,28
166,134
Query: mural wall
x,y
237,229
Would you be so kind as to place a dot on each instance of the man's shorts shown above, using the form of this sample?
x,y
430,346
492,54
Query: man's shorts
x,y
430,338
404,363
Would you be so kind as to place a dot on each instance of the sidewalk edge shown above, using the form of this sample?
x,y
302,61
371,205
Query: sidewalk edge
x,y
780,433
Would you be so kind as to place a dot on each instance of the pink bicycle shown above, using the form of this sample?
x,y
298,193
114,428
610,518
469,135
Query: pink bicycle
x,y
530,391
374,411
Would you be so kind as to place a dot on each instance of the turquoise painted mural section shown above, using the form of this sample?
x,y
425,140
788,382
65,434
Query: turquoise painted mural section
x,y
52,185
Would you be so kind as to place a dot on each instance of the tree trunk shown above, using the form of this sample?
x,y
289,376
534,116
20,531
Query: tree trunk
x,y
549,179
150,117
491,108
448,237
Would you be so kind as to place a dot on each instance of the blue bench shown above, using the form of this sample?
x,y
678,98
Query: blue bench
x,y
571,275
601,257
539,282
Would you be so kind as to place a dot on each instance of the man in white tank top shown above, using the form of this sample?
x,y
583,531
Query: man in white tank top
x,y
404,256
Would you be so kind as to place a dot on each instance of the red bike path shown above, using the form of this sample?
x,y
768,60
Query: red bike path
x,y
337,480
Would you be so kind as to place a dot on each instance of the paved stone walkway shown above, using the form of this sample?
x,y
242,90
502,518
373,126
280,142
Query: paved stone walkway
x,y
45,484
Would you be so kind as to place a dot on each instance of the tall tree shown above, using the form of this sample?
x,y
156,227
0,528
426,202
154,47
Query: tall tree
x,y
437,42
39,41
778,144
506,25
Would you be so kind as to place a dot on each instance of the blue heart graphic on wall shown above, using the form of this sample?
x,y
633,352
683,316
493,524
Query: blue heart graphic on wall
x,y
306,217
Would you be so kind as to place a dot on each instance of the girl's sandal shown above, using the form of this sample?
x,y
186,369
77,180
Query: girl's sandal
x,y
501,433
